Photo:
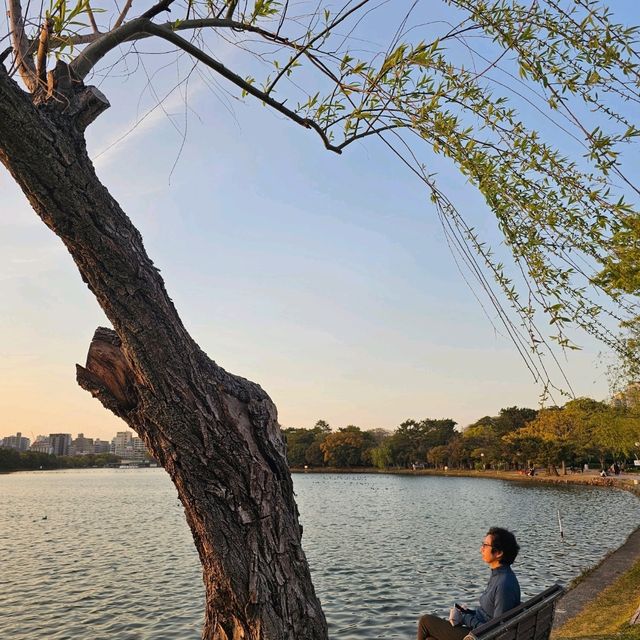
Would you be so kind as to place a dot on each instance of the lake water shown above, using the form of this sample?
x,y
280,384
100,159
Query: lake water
x,y
114,560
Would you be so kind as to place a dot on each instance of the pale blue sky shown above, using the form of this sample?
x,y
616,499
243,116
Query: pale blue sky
x,y
325,279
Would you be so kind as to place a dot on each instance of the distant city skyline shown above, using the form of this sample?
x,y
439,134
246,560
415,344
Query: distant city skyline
x,y
125,444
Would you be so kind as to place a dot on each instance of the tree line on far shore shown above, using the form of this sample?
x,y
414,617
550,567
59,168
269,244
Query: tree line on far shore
x,y
582,431
14,460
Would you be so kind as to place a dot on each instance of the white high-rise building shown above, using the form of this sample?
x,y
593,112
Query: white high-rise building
x,y
121,444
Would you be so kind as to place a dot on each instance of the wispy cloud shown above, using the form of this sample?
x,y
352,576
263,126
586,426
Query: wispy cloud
x,y
169,108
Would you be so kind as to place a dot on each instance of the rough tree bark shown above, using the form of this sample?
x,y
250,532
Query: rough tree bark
x,y
215,433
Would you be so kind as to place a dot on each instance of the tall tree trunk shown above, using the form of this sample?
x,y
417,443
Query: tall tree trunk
x,y
215,433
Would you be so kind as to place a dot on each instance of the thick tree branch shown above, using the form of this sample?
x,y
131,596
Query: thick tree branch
x,y
163,5
182,25
92,54
21,45
198,54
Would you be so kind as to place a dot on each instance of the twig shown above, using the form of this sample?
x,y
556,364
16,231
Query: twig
x,y
43,49
101,43
92,19
198,54
232,7
21,47
319,35
123,14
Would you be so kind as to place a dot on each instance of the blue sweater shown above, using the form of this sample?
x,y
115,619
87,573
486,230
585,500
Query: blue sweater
x,y
502,593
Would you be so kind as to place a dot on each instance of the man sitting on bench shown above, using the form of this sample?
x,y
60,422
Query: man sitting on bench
x,y
499,550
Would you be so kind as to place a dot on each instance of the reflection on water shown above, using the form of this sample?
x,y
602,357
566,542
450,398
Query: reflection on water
x,y
114,560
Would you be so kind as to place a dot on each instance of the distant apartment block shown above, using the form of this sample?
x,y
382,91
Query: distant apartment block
x,y
139,449
60,443
15,442
629,398
129,447
41,445
82,446
101,446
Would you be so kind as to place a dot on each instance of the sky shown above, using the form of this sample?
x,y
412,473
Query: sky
x,y
324,278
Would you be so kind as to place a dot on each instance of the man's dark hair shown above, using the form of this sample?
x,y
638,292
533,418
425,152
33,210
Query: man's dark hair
x,y
505,541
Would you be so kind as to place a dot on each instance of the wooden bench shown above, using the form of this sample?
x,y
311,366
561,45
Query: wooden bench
x,y
532,620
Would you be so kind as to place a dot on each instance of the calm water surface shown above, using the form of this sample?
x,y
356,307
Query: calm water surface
x,y
114,559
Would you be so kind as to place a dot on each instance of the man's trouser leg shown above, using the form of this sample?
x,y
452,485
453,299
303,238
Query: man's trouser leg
x,y
433,627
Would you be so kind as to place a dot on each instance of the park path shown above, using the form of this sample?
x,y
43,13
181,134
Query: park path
x,y
610,569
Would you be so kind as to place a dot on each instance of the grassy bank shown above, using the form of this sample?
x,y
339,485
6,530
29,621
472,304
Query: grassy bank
x,y
607,616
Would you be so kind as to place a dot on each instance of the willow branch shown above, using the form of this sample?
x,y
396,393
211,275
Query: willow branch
x,y
371,132
191,49
123,14
232,7
92,20
21,45
101,43
318,36
163,5
181,25
81,66
43,49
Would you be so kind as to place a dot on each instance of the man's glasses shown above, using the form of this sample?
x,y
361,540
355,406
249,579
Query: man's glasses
x,y
484,544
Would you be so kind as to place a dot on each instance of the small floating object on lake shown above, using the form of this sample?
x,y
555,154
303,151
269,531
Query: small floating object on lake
x,y
44,517
560,524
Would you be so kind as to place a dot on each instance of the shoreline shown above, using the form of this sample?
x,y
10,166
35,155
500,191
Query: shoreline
x,y
626,482
606,572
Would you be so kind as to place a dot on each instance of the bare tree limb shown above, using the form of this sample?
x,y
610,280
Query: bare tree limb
x,y
232,7
141,27
370,132
81,66
21,45
43,49
198,54
102,43
92,19
182,25
123,14
58,42
163,5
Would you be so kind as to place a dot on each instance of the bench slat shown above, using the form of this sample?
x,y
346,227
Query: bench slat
x,y
531,620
